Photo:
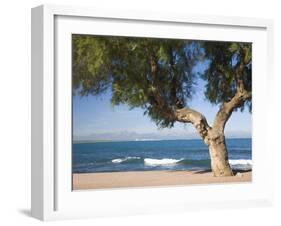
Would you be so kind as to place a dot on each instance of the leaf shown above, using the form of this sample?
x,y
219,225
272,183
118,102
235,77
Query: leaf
x,y
234,47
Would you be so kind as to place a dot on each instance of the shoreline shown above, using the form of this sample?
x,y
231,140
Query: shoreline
x,y
103,180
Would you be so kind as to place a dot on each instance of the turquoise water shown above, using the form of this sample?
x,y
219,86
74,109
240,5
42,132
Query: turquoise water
x,y
154,155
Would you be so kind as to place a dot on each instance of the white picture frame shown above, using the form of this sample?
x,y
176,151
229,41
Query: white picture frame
x,y
52,196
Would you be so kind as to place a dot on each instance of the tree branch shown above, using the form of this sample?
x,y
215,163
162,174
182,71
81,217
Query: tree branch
x,y
156,90
227,108
238,100
198,120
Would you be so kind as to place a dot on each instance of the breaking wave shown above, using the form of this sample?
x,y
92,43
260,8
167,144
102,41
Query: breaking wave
x,y
238,164
243,164
120,160
165,161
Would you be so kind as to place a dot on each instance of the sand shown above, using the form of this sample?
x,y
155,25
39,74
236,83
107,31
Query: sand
x,y
152,178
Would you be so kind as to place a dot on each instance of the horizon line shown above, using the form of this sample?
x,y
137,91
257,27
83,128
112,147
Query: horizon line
x,y
144,140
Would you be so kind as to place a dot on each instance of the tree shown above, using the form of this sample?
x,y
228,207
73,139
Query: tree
x,y
158,76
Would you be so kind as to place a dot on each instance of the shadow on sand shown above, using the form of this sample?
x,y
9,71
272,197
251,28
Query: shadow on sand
x,y
234,171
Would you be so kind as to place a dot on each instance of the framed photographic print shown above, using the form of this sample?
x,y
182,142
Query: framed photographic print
x,y
134,112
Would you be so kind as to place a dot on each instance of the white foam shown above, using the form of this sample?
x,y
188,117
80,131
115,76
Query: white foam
x,y
123,159
240,162
154,162
244,164
117,160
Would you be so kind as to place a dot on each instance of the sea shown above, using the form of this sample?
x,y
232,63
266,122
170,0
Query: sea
x,y
144,155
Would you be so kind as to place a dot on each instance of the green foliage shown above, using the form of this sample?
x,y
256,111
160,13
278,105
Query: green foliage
x,y
155,74
225,60
125,65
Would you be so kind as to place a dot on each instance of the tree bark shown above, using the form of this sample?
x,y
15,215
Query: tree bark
x,y
217,146
198,120
213,137
219,155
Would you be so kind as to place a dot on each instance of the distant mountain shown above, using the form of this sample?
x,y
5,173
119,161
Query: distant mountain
x,y
129,136
238,134
126,135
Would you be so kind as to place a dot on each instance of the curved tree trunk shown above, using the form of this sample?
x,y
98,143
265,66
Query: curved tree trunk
x,y
213,137
217,146
219,157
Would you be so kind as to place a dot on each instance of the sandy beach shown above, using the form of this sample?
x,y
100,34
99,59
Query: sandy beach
x,y
152,178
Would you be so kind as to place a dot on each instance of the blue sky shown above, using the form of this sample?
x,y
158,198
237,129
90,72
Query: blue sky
x,y
95,118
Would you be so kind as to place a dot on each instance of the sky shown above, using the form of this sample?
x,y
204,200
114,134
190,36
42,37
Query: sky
x,y
94,118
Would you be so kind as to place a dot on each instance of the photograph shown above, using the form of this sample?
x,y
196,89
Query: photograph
x,y
152,112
